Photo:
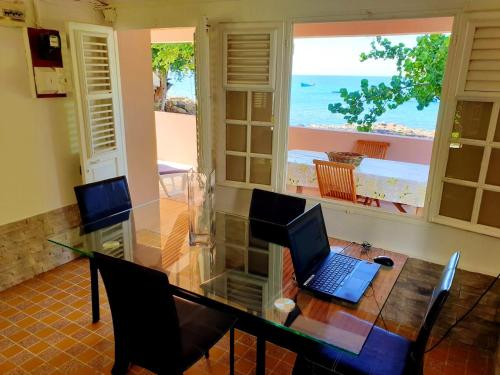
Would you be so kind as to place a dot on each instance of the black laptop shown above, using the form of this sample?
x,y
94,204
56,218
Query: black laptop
x,y
321,270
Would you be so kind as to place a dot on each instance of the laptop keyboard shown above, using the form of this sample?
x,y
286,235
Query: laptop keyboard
x,y
334,271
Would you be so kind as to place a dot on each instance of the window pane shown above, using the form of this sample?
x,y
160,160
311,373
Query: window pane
x,y
234,231
235,258
262,106
457,201
488,212
236,137
236,105
472,119
258,263
464,162
262,140
493,174
260,171
235,168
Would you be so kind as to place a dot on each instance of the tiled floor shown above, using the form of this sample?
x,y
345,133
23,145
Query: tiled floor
x,y
45,328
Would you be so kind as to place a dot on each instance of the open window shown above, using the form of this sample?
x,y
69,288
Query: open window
x,y
365,97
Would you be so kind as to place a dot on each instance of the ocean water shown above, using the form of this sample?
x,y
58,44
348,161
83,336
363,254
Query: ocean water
x,y
309,105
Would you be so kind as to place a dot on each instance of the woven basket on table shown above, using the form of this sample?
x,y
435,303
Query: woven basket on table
x,y
345,157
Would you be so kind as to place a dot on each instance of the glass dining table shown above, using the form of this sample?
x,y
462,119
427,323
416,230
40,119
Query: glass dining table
x,y
237,273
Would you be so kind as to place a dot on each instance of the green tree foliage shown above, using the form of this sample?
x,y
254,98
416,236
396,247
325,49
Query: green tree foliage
x,y
176,59
420,73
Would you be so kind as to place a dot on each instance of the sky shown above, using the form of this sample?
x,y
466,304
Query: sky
x,y
340,56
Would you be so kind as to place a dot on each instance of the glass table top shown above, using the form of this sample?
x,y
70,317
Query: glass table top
x,y
238,269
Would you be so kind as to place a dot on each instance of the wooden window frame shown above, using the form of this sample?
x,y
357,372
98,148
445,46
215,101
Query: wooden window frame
x,y
464,35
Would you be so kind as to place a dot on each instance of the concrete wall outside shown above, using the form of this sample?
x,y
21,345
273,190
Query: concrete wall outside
x,y
407,149
176,138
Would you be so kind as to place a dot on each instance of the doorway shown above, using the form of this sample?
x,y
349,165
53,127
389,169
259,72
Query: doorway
x,y
175,104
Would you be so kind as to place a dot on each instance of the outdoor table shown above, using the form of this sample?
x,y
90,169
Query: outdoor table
x,y
388,180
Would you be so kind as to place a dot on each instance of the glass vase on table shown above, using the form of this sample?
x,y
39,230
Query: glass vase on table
x,y
201,204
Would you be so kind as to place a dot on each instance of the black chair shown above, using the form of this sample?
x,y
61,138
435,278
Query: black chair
x,y
152,328
101,204
384,352
102,199
271,212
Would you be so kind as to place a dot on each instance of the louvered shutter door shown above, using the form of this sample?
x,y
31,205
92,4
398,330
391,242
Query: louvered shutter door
x,y
98,100
466,190
251,92
482,72
98,93
249,59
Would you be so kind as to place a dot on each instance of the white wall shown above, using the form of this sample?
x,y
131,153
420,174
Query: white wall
x,y
134,49
39,161
416,238
160,14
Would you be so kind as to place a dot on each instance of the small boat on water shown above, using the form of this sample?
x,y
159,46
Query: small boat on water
x,y
335,92
306,84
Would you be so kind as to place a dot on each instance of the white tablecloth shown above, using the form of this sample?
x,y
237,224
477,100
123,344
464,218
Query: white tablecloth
x,y
389,180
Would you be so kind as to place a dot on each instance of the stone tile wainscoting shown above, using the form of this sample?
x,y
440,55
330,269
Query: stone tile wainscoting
x,y
24,249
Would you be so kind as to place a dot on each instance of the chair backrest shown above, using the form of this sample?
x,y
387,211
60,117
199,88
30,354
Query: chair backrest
x,y
372,149
274,207
145,322
271,212
336,180
436,302
100,199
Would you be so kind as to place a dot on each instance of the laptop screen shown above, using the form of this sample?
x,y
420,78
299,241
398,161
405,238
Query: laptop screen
x,y
308,242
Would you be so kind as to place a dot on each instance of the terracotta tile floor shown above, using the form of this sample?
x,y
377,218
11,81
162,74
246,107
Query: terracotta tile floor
x,y
45,328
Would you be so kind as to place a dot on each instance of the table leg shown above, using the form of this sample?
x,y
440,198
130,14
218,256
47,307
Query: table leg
x,y
261,356
400,207
419,211
300,189
94,290
231,351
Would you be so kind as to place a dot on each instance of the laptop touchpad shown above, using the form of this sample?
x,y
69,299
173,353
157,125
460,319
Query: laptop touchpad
x,y
352,289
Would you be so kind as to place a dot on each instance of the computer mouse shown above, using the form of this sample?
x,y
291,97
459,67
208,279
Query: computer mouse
x,y
384,260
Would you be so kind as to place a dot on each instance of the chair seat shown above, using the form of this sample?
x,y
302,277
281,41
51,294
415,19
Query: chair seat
x,y
384,353
164,169
201,327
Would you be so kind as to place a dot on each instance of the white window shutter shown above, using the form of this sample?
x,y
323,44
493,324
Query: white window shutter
x,y
98,98
249,58
465,189
250,105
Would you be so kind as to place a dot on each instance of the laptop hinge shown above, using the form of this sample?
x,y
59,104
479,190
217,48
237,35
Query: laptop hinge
x,y
309,279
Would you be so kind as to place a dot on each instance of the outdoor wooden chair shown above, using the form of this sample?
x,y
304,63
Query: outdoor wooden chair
x,y
336,180
372,149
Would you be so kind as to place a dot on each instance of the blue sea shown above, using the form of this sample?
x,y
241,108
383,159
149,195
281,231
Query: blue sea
x,y
309,105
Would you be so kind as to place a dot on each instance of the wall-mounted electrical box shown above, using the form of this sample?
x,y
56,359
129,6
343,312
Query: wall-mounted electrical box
x,y
12,13
43,52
